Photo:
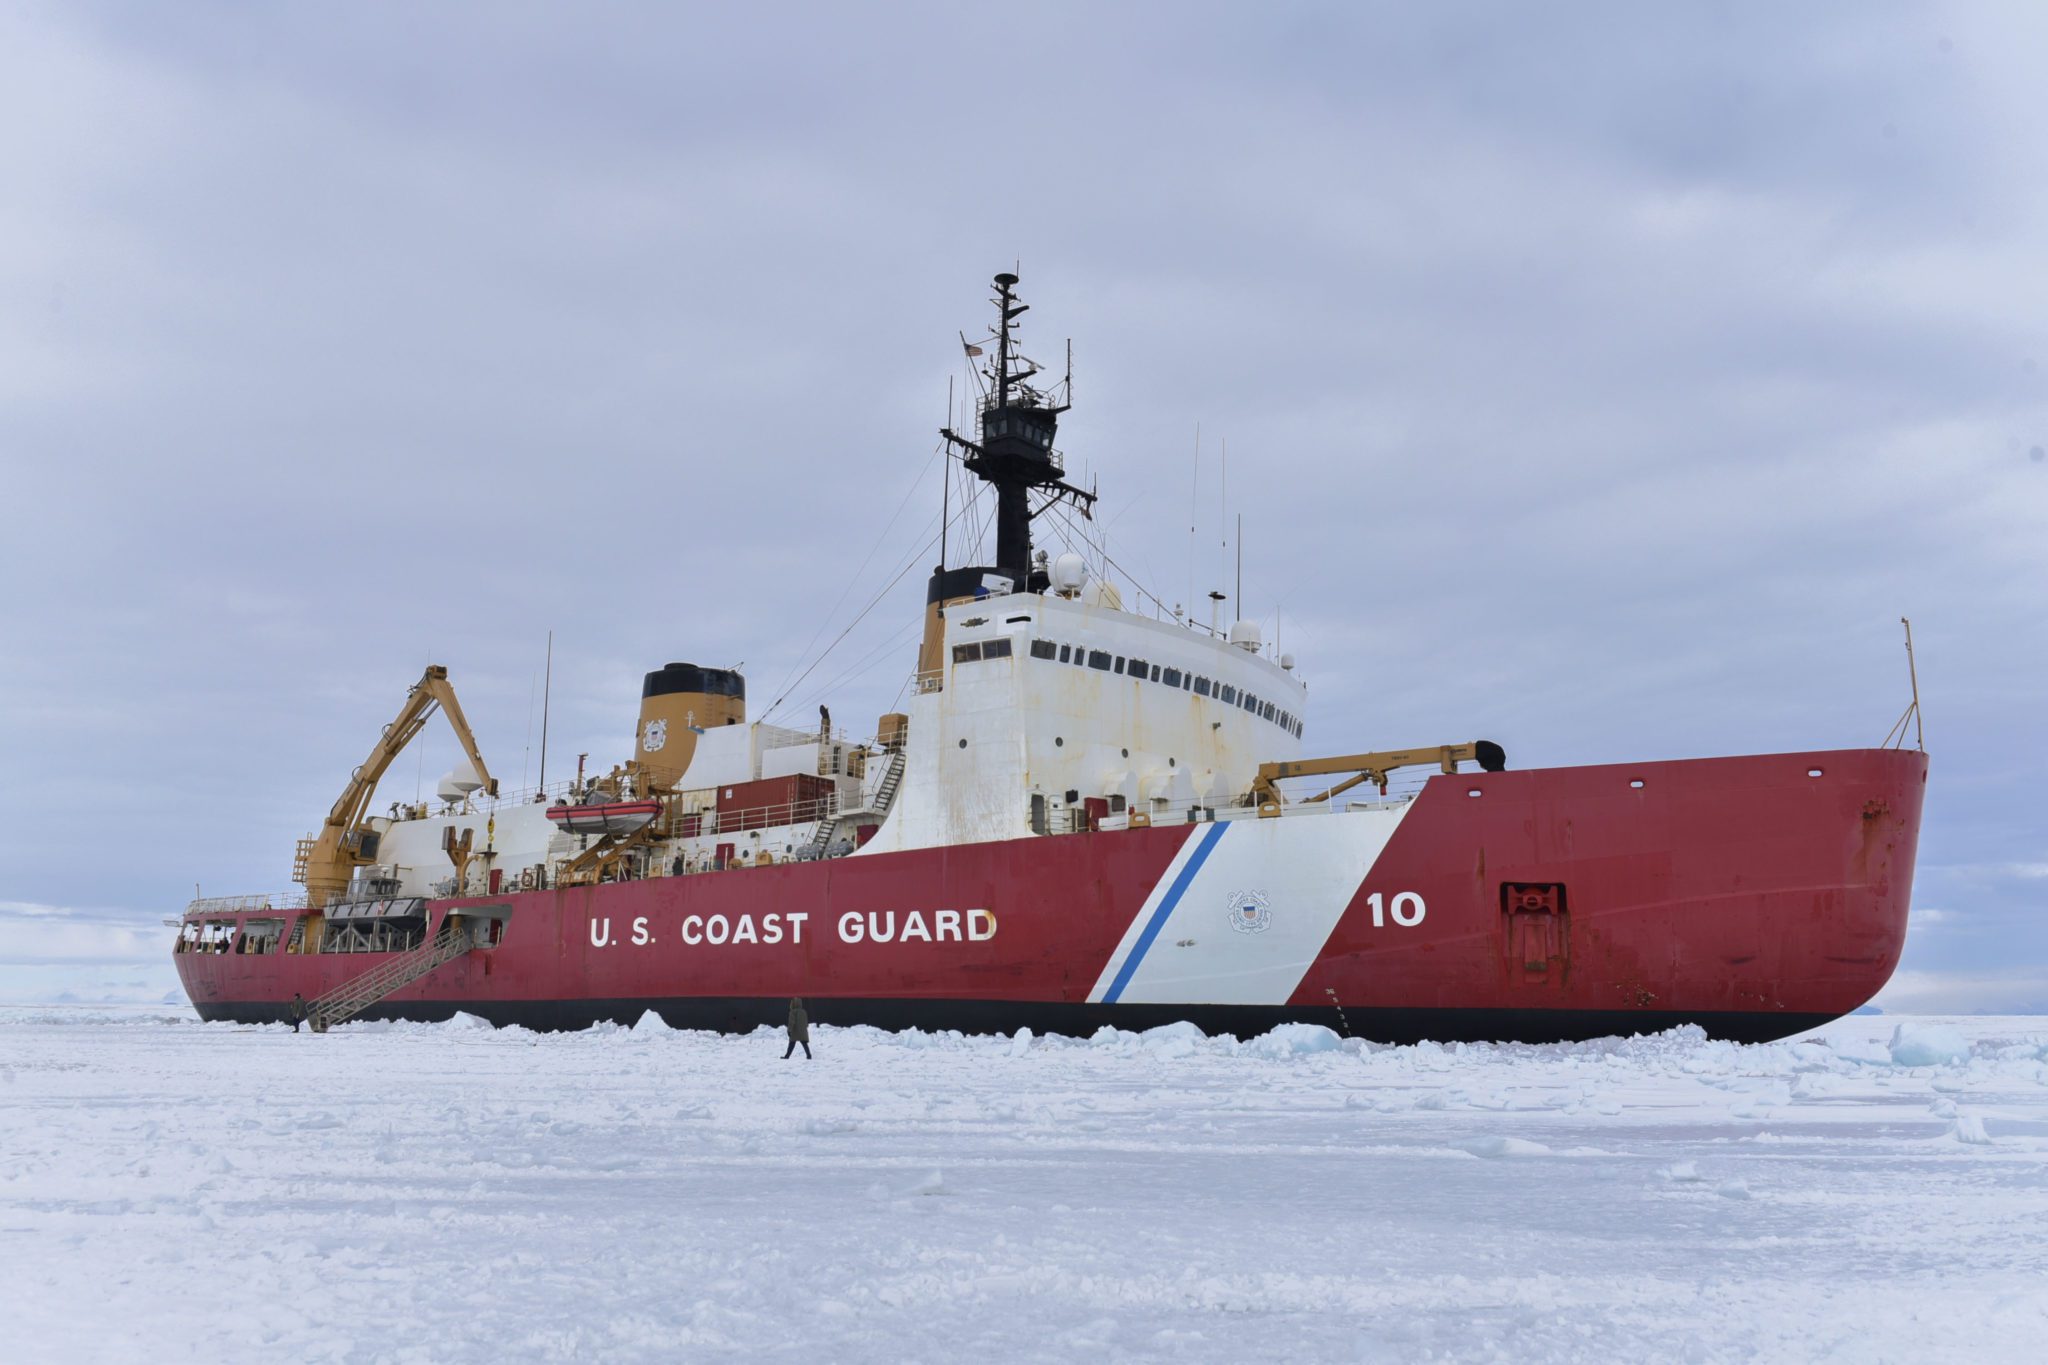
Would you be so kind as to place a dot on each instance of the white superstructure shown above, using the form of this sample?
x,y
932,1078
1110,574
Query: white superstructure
x,y
1040,706
1043,703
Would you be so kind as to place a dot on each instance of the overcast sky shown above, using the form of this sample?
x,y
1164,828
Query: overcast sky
x,y
1608,385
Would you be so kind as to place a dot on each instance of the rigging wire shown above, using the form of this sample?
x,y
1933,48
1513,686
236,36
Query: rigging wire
x,y
837,640
1135,584
873,602
915,624
970,502
854,577
860,667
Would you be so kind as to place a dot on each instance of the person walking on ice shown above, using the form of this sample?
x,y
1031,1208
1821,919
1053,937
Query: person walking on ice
x,y
799,1027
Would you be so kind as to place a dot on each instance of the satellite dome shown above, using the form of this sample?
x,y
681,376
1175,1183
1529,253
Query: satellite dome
x,y
1069,573
457,783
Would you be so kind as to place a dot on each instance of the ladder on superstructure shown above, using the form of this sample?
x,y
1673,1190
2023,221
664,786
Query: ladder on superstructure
x,y
885,796
358,993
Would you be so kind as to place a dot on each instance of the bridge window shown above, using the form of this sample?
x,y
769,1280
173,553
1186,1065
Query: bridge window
x,y
1119,663
966,653
996,649
1172,677
1201,687
1155,673
1099,658
215,936
1065,650
261,936
1043,649
1137,669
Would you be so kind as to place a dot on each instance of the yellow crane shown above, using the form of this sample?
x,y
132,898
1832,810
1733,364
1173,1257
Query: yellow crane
x,y
344,843
1372,767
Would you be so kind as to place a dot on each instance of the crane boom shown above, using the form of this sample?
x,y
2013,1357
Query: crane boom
x,y
1372,767
328,858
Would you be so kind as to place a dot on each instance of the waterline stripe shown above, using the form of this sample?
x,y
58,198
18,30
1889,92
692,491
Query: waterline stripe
x,y
1165,910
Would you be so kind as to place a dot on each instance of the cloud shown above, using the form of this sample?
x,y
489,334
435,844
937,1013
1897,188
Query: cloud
x,y
97,956
2019,991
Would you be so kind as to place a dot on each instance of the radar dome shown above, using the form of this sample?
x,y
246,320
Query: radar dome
x,y
457,783
1100,592
1069,572
1245,635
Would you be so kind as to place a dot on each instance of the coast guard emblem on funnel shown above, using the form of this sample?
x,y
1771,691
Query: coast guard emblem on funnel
x,y
1249,913
657,735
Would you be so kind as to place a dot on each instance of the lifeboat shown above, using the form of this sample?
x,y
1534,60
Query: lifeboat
x,y
614,817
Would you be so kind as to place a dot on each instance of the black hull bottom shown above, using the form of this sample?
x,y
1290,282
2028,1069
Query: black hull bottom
x,y
741,1015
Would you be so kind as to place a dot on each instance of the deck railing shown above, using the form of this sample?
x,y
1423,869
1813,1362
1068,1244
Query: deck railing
x,y
242,905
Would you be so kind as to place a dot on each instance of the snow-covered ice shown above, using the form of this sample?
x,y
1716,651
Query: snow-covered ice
x,y
171,1190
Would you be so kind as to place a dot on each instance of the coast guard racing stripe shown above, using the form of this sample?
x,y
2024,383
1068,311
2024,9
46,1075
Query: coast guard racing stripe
x,y
1243,910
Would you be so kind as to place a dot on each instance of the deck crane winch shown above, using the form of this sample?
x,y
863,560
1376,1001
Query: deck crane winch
x,y
345,842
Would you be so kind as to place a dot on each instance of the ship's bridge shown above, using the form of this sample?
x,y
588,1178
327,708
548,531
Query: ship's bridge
x,y
1044,711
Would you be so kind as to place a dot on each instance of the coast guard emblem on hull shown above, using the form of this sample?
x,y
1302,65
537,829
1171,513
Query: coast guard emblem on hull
x,y
1249,913
656,736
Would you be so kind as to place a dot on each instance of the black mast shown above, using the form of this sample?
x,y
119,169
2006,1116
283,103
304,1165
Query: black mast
x,y
1015,452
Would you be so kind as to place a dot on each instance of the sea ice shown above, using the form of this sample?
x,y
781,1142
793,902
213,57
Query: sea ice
x,y
1969,1128
460,1194
1295,1040
1917,1044
1501,1146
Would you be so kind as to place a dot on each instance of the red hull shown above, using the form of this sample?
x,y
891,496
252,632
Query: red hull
x,y
1756,896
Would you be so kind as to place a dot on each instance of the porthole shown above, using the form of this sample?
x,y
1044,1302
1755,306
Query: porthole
x,y
1473,791
1813,772
1170,762
963,743
1127,753
1636,782
1059,742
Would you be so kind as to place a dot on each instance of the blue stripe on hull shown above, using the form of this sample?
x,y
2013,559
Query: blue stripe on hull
x,y
1164,912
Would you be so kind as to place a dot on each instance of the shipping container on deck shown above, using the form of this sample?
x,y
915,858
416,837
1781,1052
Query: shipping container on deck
x,y
773,801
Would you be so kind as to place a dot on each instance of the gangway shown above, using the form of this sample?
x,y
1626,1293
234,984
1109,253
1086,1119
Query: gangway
x,y
455,937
